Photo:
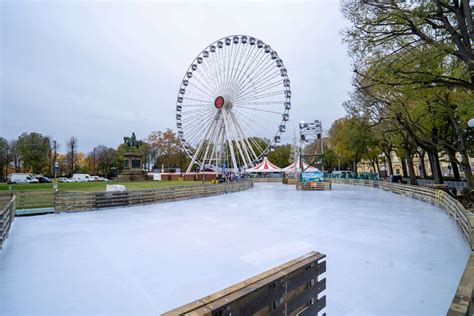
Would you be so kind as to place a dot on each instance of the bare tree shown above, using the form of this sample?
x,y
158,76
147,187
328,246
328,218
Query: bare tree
x,y
72,145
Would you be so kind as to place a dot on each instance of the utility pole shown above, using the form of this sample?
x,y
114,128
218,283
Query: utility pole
x,y
93,161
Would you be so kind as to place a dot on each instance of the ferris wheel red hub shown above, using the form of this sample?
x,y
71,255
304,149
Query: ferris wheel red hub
x,y
219,102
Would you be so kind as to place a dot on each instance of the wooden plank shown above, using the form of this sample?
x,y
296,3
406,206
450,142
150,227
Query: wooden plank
x,y
254,295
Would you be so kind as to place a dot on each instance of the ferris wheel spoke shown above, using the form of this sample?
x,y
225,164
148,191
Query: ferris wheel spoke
x,y
229,140
267,95
260,102
194,105
269,89
247,63
257,78
263,62
244,152
204,84
190,120
207,74
260,110
250,118
233,135
199,100
255,60
241,56
197,131
272,81
222,68
198,88
199,111
228,60
196,122
209,144
200,145
266,74
232,60
254,64
247,149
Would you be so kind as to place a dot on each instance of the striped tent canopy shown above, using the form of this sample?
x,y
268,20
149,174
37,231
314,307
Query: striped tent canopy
x,y
291,168
265,166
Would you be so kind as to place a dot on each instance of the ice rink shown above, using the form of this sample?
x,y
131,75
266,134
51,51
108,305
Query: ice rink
x,y
386,254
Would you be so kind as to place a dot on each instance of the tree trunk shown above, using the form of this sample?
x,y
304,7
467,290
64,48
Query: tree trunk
x,y
437,174
465,164
454,165
422,164
411,169
377,165
404,168
435,168
390,165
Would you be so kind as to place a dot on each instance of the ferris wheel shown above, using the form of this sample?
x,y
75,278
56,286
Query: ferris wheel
x,y
233,104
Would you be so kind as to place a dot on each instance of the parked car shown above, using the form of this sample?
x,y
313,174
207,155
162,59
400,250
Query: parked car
x,y
81,177
21,178
97,178
341,174
397,179
64,179
42,179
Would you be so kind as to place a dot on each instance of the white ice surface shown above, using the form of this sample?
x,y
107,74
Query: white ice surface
x,y
386,254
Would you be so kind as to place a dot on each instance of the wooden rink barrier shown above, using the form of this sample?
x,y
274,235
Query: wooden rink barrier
x,y
289,180
292,288
266,180
462,303
314,186
84,201
7,216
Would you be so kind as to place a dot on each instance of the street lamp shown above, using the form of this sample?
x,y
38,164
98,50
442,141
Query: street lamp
x,y
470,123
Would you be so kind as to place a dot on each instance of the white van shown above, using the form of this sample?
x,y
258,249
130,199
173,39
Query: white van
x,y
21,178
81,177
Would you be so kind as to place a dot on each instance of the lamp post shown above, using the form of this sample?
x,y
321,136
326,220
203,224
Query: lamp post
x,y
470,123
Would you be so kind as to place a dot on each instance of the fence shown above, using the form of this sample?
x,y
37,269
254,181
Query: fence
x,y
82,201
289,181
462,301
313,186
7,215
264,180
29,199
292,288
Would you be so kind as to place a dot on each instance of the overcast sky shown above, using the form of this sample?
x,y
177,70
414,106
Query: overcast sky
x,y
99,70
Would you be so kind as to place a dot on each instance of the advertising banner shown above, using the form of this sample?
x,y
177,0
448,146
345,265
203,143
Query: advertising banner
x,y
317,176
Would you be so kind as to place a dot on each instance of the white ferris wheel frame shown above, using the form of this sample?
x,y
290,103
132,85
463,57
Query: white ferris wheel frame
x,y
231,87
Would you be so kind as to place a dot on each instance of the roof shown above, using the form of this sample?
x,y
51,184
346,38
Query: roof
x,y
291,168
265,166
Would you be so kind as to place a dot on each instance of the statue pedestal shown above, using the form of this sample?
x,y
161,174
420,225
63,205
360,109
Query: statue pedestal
x,y
132,168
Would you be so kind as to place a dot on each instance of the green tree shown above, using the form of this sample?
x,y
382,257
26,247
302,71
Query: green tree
x,y
34,148
4,158
350,139
281,156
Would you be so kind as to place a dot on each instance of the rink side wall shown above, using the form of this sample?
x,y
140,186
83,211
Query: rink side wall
x,y
84,201
7,215
292,288
462,301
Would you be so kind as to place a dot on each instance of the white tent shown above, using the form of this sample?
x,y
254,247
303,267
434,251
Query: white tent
x,y
291,168
264,166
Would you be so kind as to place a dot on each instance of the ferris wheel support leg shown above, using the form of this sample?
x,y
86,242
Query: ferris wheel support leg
x,y
198,150
235,136
209,142
231,146
248,149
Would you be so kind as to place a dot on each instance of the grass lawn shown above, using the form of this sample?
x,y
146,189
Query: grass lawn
x,y
95,186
